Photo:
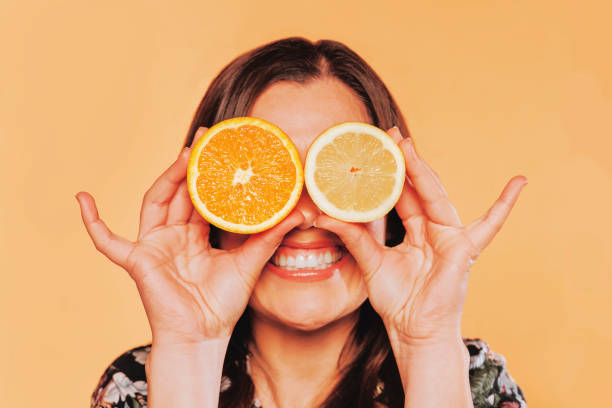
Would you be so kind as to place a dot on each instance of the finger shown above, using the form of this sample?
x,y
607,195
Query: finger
x,y
198,135
395,134
415,231
196,218
155,207
482,231
154,210
180,207
259,248
397,137
408,204
204,230
367,252
116,248
429,188
377,229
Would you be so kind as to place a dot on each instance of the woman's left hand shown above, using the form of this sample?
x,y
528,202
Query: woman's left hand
x,y
419,286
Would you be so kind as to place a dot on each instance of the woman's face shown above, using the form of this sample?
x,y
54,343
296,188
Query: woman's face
x,y
303,111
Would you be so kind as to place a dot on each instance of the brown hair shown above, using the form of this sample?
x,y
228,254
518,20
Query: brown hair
x,y
367,357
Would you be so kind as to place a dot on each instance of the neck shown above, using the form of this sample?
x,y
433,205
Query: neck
x,y
296,368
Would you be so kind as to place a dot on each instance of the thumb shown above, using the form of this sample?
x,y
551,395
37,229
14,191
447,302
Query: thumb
x,y
259,248
367,252
116,248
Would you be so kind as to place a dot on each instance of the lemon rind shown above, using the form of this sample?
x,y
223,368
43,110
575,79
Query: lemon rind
x,y
319,198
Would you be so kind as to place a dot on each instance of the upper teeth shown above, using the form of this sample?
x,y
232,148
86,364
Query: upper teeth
x,y
310,261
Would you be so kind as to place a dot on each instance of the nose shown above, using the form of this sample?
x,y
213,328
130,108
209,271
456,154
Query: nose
x,y
308,208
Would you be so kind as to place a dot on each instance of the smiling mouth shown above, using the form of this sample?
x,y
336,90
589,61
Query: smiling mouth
x,y
295,259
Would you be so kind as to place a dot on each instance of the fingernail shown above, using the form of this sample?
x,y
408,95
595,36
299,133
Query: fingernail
x,y
408,141
184,151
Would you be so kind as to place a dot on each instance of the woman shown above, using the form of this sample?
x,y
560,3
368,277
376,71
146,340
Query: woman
x,y
384,331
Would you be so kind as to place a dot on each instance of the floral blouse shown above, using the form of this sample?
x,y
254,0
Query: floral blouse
x,y
124,383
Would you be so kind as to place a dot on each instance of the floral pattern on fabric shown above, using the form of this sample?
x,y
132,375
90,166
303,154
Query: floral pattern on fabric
x,y
492,386
124,382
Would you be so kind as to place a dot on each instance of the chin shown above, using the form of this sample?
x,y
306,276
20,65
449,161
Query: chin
x,y
308,323
306,319
308,305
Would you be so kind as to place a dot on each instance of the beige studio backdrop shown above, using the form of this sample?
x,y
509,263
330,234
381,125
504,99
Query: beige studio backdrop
x,y
97,96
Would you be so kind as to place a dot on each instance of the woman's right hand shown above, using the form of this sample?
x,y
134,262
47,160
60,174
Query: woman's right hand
x,y
191,292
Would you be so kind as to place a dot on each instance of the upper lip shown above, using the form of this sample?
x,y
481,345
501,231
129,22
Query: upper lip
x,y
311,238
319,243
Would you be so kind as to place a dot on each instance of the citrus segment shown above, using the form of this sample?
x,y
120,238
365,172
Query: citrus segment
x,y
354,172
244,175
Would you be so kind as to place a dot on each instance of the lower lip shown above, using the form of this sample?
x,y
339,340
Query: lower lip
x,y
306,275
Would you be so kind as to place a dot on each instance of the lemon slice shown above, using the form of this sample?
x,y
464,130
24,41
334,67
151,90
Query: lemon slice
x,y
354,172
244,175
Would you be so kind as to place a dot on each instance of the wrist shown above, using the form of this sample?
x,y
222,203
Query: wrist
x,y
185,374
413,347
434,371
165,352
198,339
189,344
430,354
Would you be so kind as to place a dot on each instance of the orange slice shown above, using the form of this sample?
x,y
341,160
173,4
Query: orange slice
x,y
244,175
354,172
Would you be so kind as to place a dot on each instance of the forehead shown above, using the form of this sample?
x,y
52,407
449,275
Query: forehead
x,y
303,111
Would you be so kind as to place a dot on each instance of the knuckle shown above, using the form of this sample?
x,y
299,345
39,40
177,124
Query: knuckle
x,y
103,246
98,246
437,200
355,235
270,239
146,196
